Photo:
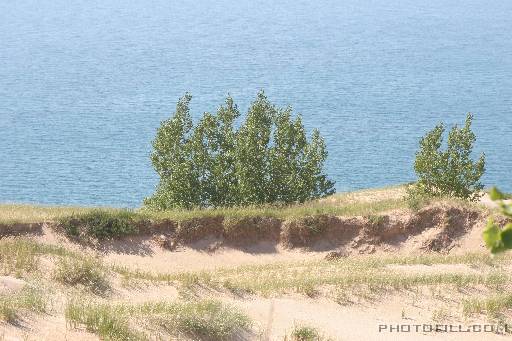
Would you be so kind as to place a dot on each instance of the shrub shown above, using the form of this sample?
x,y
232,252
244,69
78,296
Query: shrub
x,y
100,224
88,272
451,172
268,159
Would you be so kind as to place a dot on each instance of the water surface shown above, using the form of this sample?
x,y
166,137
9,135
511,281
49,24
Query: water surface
x,y
85,84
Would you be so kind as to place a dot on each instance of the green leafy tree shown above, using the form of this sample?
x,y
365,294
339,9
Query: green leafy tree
x,y
252,153
172,159
213,150
268,159
450,172
287,157
496,238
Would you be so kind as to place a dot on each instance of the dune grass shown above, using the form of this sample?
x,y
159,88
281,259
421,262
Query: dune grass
x,y
20,256
493,305
305,333
203,319
27,299
87,272
353,203
100,224
368,202
27,214
310,277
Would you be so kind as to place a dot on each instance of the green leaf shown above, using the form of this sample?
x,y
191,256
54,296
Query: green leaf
x,y
506,210
506,236
496,194
491,235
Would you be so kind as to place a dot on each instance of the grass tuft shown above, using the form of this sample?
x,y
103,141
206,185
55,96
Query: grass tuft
x,y
492,306
305,333
108,322
27,299
86,271
205,319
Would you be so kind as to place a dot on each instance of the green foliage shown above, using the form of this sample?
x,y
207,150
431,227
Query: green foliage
x,y
416,198
268,159
497,239
450,172
99,224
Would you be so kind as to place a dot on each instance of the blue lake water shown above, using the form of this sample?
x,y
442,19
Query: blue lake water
x,y
85,84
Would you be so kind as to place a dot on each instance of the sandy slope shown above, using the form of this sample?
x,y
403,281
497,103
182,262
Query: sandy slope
x,y
275,317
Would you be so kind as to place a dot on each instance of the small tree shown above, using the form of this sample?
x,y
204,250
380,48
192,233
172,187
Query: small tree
x,y
451,172
267,160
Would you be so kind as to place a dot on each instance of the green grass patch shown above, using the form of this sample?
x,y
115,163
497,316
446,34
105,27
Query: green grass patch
x,y
88,272
107,321
312,208
305,333
204,319
353,203
27,214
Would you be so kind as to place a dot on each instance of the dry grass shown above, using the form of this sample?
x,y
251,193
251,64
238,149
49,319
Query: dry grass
x,y
492,305
28,299
305,333
27,214
20,256
346,281
366,202
346,275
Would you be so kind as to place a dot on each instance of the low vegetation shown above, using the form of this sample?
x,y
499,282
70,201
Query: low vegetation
x,y
28,299
203,319
87,272
339,204
347,275
346,281
92,225
20,256
493,305
100,224
305,333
